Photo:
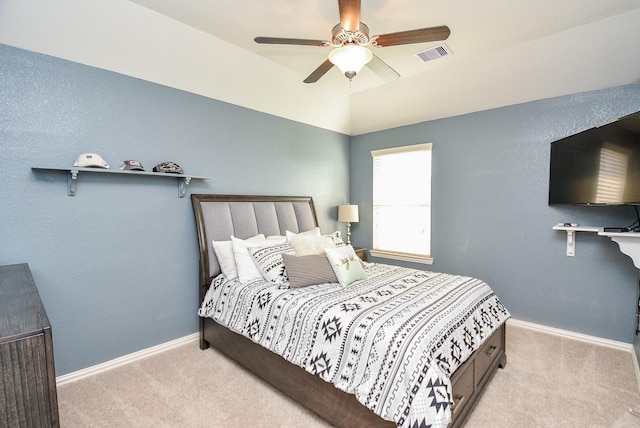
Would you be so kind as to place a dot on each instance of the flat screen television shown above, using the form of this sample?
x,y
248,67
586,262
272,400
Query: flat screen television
x,y
599,166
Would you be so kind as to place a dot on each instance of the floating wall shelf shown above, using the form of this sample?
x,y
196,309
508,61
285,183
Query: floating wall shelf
x,y
628,242
73,172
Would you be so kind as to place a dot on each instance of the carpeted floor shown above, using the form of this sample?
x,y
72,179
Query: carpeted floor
x,y
552,381
549,381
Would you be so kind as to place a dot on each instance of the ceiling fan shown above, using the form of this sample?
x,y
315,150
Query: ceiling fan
x,y
350,38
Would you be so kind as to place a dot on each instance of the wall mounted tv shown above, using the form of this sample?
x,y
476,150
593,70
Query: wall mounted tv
x,y
599,166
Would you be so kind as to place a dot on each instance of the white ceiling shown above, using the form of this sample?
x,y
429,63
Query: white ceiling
x,y
504,52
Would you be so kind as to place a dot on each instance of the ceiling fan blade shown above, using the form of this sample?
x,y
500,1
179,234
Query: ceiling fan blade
x,y
432,34
349,14
319,72
286,41
382,69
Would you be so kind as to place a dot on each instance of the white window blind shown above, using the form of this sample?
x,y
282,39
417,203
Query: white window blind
x,y
402,203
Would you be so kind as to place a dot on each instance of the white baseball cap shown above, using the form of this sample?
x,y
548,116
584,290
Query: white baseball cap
x,y
91,160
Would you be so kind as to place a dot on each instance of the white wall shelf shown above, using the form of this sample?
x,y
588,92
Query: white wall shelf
x,y
628,242
571,235
74,172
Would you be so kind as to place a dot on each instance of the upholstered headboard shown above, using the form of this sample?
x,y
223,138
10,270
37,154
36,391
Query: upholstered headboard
x,y
218,217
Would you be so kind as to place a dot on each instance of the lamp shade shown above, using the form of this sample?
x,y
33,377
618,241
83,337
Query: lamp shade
x,y
350,58
348,213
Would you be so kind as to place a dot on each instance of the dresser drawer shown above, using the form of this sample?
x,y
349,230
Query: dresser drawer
x,y
487,354
462,387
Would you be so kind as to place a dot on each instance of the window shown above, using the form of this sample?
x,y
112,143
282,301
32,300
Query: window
x,y
402,203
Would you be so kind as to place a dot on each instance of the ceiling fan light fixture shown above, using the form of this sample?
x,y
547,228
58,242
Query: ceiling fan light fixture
x,y
350,59
350,37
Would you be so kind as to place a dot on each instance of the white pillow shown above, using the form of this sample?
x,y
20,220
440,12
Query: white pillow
x,y
346,264
313,232
226,258
247,269
305,245
278,238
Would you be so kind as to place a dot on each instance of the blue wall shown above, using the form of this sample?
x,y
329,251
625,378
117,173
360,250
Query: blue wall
x,y
117,265
491,218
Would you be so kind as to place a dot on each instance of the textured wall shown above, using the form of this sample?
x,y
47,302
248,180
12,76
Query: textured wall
x,y
491,218
116,265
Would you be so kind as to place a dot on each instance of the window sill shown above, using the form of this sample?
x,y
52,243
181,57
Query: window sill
x,y
405,257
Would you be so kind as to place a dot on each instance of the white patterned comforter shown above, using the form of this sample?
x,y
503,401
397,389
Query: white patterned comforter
x,y
392,339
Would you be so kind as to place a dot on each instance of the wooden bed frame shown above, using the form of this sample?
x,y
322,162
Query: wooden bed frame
x,y
220,216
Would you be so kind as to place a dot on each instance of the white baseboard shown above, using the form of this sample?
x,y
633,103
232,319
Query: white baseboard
x,y
594,340
125,359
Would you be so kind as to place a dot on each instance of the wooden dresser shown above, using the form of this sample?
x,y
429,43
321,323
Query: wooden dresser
x,y
27,382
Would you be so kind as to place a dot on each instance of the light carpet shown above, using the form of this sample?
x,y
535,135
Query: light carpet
x,y
549,381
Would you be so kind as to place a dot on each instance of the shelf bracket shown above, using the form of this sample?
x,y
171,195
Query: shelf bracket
x,y
571,243
73,180
628,243
183,182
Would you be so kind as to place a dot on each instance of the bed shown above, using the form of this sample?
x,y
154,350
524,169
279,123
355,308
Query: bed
x,y
462,371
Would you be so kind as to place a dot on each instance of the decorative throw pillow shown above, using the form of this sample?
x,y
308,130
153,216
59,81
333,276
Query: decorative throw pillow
x,y
305,245
226,258
346,264
247,269
308,270
269,261
312,232
336,237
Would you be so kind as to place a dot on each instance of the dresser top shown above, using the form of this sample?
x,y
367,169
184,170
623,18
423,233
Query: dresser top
x,y
21,310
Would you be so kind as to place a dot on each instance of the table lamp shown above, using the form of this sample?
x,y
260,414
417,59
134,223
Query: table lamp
x,y
348,214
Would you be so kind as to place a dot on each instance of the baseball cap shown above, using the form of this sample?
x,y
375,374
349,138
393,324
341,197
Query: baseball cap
x,y
91,160
168,167
131,165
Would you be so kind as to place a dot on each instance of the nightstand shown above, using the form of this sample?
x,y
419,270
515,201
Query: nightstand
x,y
361,252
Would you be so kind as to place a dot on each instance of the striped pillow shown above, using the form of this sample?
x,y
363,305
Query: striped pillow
x,y
308,270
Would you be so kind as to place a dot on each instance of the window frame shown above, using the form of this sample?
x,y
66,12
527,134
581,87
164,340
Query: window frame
x,y
398,255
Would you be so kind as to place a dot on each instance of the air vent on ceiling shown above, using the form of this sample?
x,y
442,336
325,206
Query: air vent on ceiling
x,y
434,53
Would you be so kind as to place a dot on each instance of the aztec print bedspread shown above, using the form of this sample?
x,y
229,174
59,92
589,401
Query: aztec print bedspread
x,y
392,340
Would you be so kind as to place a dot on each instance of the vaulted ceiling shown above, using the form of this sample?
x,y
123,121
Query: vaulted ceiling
x,y
501,52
